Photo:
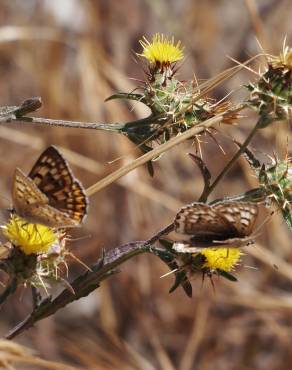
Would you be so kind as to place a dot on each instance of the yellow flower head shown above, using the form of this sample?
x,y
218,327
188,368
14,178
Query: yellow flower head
x,y
161,50
30,238
224,259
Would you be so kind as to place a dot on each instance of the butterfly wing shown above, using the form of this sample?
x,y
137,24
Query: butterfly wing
x,y
33,205
203,222
25,193
241,215
227,224
53,177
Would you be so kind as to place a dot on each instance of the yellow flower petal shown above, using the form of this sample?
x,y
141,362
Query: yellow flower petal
x,y
224,259
30,238
161,49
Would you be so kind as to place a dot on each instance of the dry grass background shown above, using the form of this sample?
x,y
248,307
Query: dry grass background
x,y
74,55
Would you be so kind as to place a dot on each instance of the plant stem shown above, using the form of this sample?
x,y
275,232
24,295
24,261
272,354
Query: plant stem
x,y
72,124
152,154
229,165
89,281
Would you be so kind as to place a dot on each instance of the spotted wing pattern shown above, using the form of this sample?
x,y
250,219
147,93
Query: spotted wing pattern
x,y
224,223
241,215
50,195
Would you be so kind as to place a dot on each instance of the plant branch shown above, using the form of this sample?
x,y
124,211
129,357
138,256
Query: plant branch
x,y
230,164
72,124
153,154
89,281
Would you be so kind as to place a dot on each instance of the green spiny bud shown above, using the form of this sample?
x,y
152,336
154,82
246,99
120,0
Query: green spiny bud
x,y
271,95
277,181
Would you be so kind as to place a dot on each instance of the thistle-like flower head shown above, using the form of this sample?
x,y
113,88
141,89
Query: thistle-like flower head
x,y
162,50
223,259
271,94
29,238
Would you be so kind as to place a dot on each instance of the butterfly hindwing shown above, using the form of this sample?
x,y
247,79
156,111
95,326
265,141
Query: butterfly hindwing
x,y
50,195
25,192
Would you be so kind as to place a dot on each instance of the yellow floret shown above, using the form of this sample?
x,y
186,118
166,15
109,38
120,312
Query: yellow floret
x,y
30,238
161,49
224,259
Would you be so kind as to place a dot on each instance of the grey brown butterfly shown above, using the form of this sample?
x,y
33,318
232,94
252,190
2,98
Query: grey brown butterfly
x,y
50,194
224,224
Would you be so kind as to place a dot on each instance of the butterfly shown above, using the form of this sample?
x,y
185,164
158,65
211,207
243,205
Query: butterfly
x,y
224,224
50,195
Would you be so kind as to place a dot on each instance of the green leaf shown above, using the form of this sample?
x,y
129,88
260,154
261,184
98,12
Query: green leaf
x,y
127,96
182,280
168,258
226,275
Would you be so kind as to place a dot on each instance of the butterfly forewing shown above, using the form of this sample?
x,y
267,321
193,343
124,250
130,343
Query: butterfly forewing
x,y
202,220
241,215
50,195
52,175
220,224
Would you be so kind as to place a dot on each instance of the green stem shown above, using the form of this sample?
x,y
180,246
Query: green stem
x,y
116,127
229,165
254,195
73,124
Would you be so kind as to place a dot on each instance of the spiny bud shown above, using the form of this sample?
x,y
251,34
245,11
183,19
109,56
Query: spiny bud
x,y
277,182
271,95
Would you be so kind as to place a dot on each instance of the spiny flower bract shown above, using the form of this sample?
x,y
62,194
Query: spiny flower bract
x,y
271,94
283,60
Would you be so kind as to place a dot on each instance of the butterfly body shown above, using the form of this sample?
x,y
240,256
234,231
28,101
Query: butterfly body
x,y
50,194
223,224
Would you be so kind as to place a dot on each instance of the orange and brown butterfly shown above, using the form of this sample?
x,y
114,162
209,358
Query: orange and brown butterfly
x,y
50,195
221,225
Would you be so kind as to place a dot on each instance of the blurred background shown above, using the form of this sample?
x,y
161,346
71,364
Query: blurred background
x,y
74,55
